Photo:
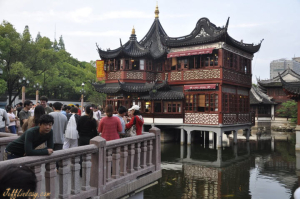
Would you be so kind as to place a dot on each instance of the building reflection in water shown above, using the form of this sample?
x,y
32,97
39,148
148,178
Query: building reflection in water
x,y
247,170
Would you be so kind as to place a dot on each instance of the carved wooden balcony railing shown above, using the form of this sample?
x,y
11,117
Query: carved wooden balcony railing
x,y
109,169
237,118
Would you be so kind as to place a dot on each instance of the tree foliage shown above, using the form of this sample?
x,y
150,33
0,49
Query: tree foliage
x,y
288,109
42,61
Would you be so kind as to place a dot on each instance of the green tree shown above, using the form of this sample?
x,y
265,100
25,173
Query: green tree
x,y
38,37
2,86
22,57
61,43
55,45
288,109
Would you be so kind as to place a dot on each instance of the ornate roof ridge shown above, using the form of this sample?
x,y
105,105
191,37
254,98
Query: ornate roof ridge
x,y
291,87
283,74
260,97
203,28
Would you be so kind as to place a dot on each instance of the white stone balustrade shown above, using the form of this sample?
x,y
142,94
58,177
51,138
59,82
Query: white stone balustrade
x,y
110,169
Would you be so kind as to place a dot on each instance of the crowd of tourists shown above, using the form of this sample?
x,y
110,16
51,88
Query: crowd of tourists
x,y
50,127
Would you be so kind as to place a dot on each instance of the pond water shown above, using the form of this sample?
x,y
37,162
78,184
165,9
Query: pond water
x,y
259,169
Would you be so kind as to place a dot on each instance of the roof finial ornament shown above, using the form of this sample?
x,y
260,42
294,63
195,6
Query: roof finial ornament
x,y
156,12
133,31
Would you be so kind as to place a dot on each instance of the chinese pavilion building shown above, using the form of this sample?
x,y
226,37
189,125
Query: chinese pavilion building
x,y
292,91
274,87
197,82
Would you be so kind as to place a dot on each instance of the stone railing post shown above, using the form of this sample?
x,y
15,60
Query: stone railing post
x,y
37,170
75,179
130,160
137,157
63,172
149,153
50,175
156,148
86,169
108,164
123,164
2,152
144,154
116,163
98,174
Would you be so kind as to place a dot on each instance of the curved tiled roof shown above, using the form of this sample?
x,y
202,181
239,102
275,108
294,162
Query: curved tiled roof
x,y
156,42
104,88
258,97
132,49
131,87
275,82
204,32
291,87
164,95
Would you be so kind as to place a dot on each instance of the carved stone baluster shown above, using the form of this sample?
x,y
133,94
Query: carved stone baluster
x,y
37,171
86,171
137,157
144,154
116,163
63,172
130,160
75,179
108,164
156,156
50,175
149,153
124,154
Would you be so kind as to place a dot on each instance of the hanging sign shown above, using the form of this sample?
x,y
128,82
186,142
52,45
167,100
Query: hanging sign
x,y
100,69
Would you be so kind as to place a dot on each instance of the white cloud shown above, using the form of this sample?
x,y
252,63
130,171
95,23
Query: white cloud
x,y
81,15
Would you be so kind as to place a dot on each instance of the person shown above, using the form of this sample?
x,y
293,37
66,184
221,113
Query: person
x,y
136,119
68,110
24,113
59,127
96,113
4,120
19,108
34,120
63,111
44,101
71,134
79,111
12,119
17,179
121,115
109,126
87,127
25,145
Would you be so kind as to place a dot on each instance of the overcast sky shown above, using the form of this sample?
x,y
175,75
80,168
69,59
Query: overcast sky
x,y
84,23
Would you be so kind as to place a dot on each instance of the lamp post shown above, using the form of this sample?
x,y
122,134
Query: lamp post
x,y
37,86
24,82
82,91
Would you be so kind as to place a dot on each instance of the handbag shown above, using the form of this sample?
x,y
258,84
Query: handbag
x,y
131,131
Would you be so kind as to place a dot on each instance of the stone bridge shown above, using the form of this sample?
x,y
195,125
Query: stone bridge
x,y
113,169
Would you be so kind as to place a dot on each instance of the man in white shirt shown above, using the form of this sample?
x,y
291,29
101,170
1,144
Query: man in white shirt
x,y
4,120
96,113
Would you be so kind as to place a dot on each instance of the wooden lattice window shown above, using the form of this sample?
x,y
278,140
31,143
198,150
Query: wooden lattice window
x,y
172,107
225,104
244,105
202,103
